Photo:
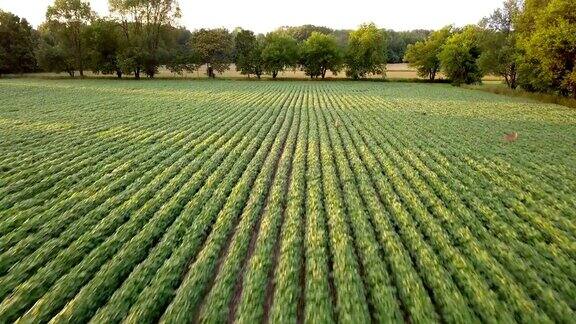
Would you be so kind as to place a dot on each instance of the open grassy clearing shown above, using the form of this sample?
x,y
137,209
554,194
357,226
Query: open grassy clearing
x,y
215,201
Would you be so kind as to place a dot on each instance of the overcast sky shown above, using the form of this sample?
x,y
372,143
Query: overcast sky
x,y
267,15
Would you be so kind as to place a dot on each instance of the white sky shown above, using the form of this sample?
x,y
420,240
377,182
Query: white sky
x,y
267,15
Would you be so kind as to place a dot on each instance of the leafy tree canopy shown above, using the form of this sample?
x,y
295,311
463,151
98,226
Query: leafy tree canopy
x,y
302,33
399,41
248,53
17,43
213,47
280,52
500,53
69,21
366,52
146,25
459,55
547,35
423,55
320,53
104,42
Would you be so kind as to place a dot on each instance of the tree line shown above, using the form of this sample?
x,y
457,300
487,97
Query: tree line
x,y
141,36
531,44
528,43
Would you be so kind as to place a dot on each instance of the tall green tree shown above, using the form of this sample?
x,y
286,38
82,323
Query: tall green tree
x,y
69,21
320,53
423,55
182,57
366,52
459,56
104,45
146,26
17,43
213,47
547,35
248,53
500,53
52,54
280,52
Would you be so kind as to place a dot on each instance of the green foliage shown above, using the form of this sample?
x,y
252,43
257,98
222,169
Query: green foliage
x,y
248,53
533,77
341,38
182,57
146,27
131,60
280,52
17,45
366,52
547,35
104,41
458,57
213,47
302,33
500,56
320,53
500,53
397,42
68,20
53,55
423,55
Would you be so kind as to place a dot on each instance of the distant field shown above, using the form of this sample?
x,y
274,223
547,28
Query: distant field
x,y
394,71
397,71
187,201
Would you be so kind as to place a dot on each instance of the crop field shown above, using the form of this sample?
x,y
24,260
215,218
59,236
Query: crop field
x,y
218,201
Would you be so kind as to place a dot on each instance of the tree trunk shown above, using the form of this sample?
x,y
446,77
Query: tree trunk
x,y
274,74
211,72
137,73
119,74
80,54
513,85
513,77
507,80
150,73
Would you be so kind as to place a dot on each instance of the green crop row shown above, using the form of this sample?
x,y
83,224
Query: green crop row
x,y
283,202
